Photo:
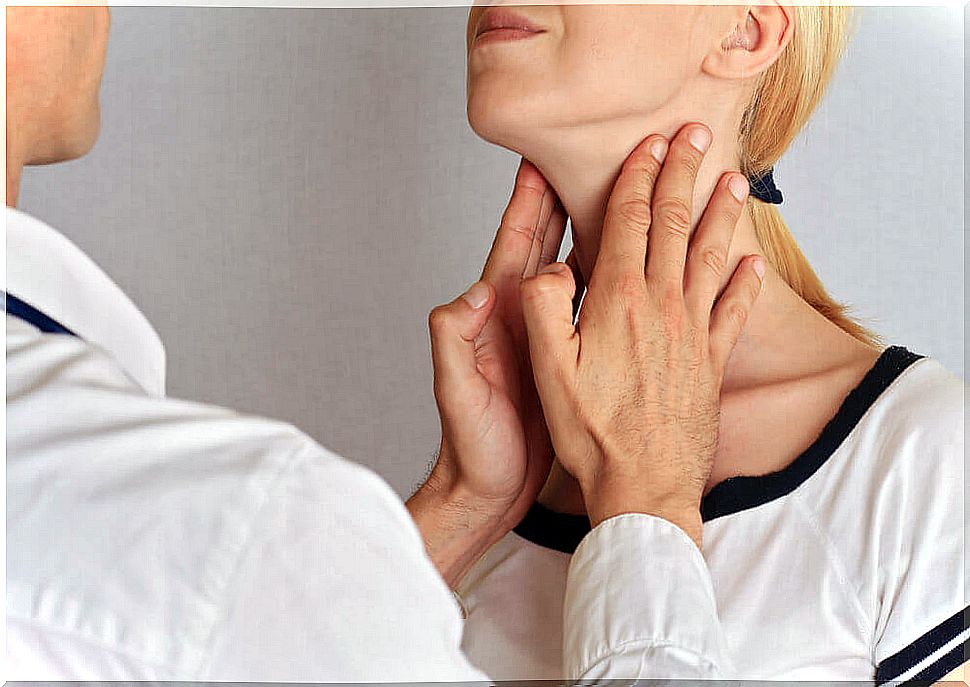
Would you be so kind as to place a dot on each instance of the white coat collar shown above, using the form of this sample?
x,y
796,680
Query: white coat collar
x,y
47,271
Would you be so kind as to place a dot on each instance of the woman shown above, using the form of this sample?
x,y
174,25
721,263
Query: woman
x,y
832,515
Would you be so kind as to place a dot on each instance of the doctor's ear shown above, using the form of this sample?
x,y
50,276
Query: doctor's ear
x,y
758,36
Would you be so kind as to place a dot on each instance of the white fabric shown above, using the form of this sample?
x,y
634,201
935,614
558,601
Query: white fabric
x,y
156,539
677,602
824,583
50,273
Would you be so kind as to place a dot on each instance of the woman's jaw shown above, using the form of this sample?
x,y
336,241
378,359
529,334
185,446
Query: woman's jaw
x,y
577,98
590,82
582,163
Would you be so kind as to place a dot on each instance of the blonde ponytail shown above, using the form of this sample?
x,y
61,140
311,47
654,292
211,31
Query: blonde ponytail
x,y
788,93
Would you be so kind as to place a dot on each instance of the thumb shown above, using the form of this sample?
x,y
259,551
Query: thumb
x,y
547,308
454,327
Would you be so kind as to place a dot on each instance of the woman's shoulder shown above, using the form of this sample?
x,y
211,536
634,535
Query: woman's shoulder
x,y
927,384
898,515
921,409
902,446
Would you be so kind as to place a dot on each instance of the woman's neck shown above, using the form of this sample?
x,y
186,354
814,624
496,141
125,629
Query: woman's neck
x,y
784,337
584,180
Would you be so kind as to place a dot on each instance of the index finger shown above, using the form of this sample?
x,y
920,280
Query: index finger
x,y
623,247
521,229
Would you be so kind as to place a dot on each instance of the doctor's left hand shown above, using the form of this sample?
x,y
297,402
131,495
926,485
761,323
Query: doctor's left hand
x,y
495,450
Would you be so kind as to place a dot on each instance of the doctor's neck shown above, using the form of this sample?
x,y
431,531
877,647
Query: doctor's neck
x,y
14,167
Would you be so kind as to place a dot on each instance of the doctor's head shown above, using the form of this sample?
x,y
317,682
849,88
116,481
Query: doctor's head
x,y
55,57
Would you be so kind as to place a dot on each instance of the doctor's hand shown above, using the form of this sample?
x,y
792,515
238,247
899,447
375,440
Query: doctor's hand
x,y
495,449
631,392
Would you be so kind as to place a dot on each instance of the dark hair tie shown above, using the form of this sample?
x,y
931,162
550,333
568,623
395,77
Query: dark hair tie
x,y
763,188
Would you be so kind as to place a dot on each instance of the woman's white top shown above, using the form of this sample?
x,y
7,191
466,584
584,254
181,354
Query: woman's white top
x,y
846,565
150,538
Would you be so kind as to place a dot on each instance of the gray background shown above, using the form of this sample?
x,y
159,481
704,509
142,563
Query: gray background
x,y
287,193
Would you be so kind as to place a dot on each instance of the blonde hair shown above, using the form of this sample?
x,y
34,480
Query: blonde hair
x,y
785,98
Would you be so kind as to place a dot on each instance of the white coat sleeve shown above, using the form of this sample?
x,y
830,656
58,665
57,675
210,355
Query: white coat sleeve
x,y
335,586
153,538
640,604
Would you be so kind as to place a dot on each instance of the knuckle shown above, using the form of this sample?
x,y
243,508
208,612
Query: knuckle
x,y
647,171
642,165
689,160
714,259
674,216
634,211
730,215
537,287
671,295
738,314
671,307
754,290
437,318
527,287
529,231
629,289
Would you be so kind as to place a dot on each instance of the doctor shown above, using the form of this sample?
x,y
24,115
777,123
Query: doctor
x,y
150,538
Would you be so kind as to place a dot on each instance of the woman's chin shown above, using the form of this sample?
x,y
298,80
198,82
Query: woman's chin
x,y
486,130
503,126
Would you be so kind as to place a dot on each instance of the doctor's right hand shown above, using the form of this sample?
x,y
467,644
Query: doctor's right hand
x,y
631,390
495,449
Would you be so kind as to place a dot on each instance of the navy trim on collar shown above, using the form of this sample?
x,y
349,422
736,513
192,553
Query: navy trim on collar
x,y
28,313
563,532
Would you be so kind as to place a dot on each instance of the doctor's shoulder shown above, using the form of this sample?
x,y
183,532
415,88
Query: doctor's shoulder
x,y
155,538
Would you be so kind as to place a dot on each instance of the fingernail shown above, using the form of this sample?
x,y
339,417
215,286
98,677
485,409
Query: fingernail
x,y
738,186
659,149
477,295
759,267
700,138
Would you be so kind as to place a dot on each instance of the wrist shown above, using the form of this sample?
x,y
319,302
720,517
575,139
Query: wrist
x,y
456,489
456,527
606,498
688,521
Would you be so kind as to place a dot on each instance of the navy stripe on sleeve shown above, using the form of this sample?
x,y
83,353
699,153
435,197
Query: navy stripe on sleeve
x,y
952,660
902,661
28,313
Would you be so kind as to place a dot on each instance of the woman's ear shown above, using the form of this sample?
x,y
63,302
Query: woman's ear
x,y
758,36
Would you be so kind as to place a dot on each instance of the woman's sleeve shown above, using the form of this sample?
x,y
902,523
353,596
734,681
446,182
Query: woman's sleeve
x,y
640,604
